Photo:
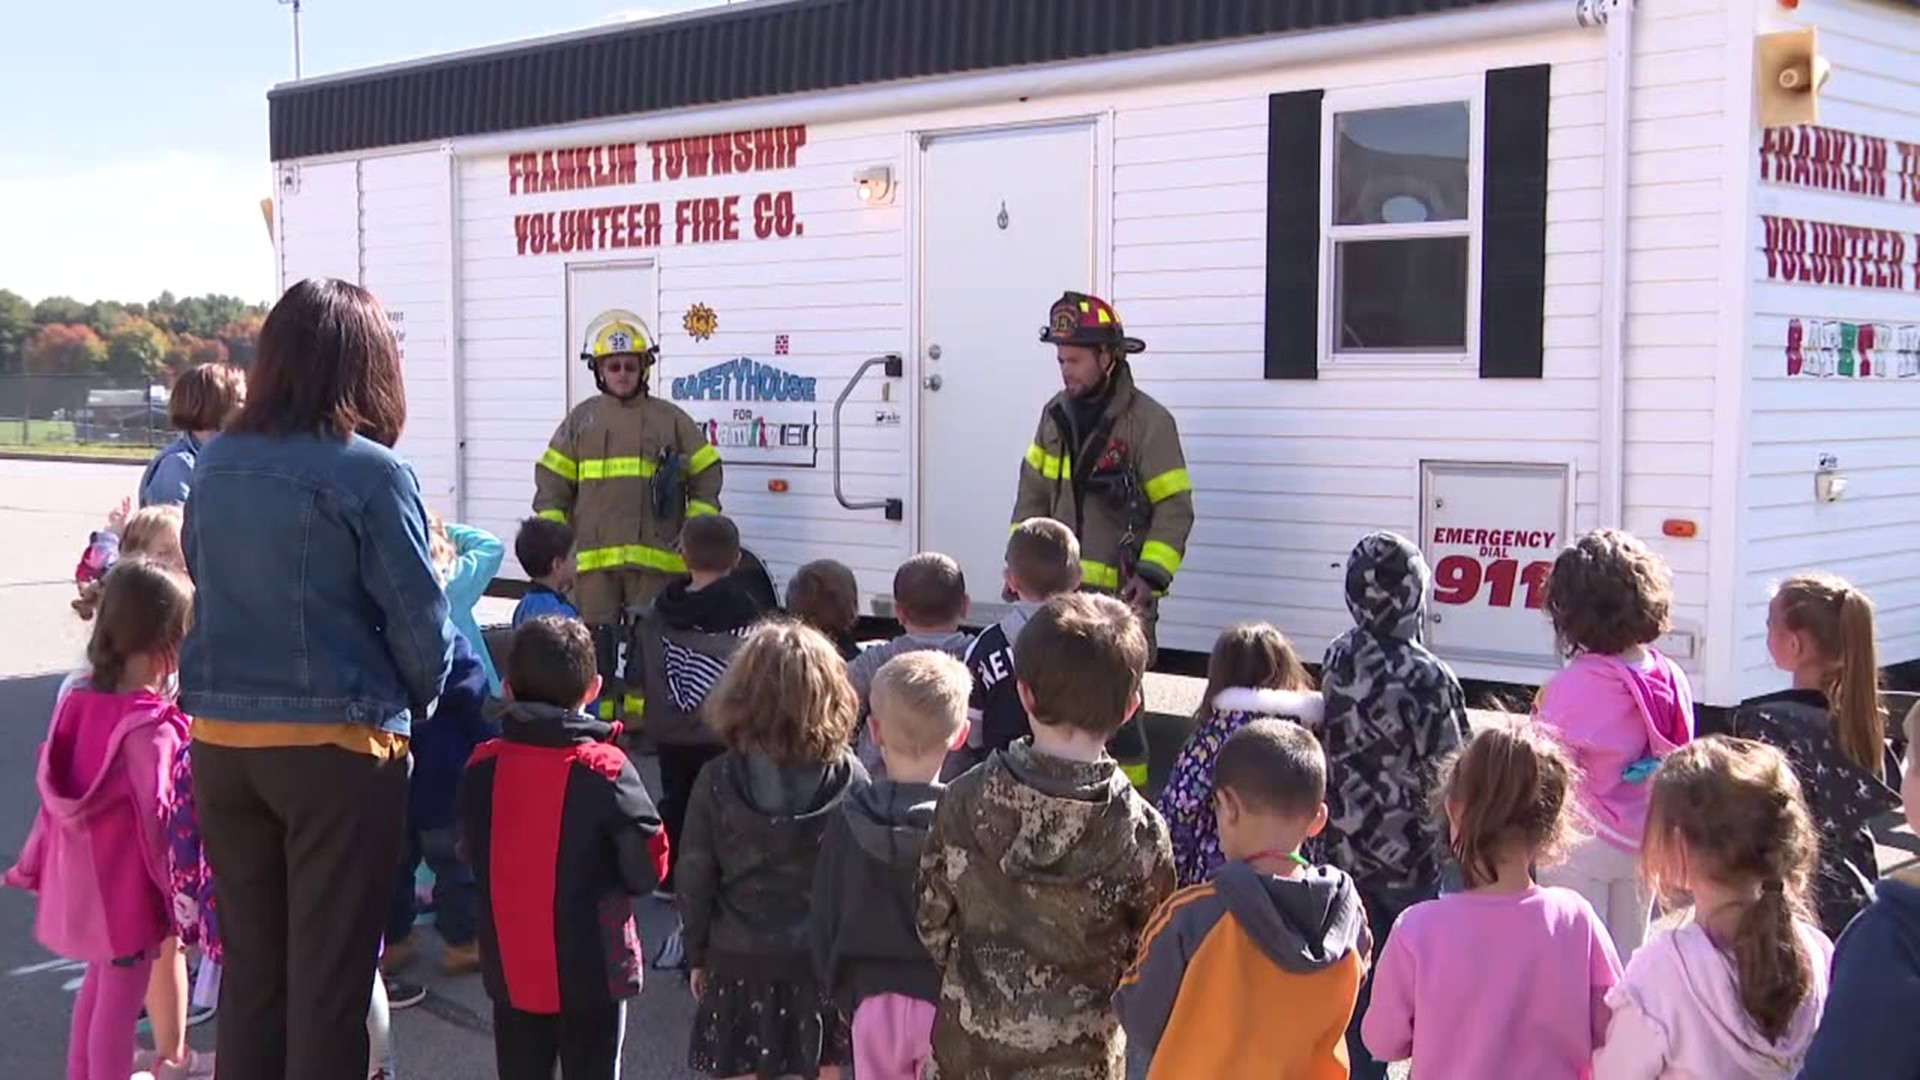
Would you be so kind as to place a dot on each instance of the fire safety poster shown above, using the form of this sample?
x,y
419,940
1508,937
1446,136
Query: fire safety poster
x,y
1490,533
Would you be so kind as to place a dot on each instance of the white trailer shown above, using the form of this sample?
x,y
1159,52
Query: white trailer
x,y
1489,274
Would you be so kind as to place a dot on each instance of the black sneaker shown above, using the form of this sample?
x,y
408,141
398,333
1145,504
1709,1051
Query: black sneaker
x,y
402,994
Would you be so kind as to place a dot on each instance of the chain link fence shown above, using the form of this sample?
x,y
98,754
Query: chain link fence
x,y
56,411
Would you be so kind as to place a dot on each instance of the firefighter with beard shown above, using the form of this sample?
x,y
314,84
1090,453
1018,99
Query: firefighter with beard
x,y
625,469
1107,461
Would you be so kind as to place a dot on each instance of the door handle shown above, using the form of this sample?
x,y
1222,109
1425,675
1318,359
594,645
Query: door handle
x,y
933,382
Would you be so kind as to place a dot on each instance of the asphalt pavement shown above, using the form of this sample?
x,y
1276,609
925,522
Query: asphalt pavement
x,y
46,512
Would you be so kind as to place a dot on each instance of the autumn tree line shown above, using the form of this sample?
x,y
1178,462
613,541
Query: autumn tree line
x,y
106,338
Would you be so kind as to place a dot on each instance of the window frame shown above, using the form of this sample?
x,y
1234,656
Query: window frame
x,y
1470,92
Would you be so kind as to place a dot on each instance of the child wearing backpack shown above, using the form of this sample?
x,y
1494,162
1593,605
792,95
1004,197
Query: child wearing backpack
x,y
1618,707
1738,988
97,853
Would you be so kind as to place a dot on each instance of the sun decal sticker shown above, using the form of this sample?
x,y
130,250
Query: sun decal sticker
x,y
700,322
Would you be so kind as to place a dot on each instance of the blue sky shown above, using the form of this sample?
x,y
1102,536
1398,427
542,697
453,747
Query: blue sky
x,y
133,139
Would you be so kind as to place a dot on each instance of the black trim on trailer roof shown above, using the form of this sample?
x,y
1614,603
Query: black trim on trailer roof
x,y
761,50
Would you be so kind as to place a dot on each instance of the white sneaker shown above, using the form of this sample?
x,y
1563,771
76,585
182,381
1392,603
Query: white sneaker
x,y
198,1065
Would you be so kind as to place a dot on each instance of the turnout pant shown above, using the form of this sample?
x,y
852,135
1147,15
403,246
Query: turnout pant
x,y
303,843
586,1043
603,598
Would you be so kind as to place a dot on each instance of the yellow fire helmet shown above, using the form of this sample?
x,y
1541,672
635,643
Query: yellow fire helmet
x,y
618,332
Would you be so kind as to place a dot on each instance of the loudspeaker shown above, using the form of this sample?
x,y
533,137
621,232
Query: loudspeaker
x,y
1791,72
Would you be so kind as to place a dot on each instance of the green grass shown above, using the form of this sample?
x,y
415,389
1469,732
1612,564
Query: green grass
x,y
35,432
57,437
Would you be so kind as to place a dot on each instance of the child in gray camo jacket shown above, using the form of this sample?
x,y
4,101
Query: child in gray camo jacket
x,y
1393,712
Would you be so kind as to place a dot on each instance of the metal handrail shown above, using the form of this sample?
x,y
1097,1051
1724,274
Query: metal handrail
x,y
895,508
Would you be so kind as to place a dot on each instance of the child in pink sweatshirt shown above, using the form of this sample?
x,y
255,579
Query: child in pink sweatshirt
x,y
1509,978
1738,989
97,852
1619,707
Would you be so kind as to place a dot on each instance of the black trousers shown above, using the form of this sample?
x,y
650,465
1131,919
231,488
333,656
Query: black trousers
x,y
679,767
303,843
1383,908
586,1043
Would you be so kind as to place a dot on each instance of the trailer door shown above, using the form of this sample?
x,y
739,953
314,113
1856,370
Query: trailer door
x,y
1006,225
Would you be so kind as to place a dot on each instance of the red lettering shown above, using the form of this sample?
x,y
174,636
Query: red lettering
x,y
658,153
617,230
521,227
627,168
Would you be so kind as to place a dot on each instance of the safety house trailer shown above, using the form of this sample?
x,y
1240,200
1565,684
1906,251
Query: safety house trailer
x,y
1489,274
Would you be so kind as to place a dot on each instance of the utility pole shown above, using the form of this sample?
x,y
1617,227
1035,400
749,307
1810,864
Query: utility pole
x,y
295,4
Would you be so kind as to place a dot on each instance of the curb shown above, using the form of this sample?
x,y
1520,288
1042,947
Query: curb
x,y
82,459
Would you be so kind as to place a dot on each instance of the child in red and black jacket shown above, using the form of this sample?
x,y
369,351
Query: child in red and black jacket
x,y
561,836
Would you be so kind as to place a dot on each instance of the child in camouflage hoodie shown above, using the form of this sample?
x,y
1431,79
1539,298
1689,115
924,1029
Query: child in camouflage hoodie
x,y
1394,711
1043,865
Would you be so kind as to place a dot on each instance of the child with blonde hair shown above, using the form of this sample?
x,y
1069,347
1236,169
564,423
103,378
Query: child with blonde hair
x,y
1831,727
785,713
1737,989
1618,707
1535,957
97,852
865,947
1254,672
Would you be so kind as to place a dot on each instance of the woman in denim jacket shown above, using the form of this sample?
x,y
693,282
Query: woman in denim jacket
x,y
320,631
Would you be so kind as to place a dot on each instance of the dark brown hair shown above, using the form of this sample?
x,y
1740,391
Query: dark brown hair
x,y
1255,655
1273,766
930,590
551,662
204,398
1082,657
1608,593
1510,786
540,545
1839,620
824,595
1736,808
710,543
326,363
143,608
921,698
785,696
1044,556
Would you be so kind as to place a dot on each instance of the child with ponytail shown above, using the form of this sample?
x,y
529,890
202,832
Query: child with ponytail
x,y
1867,1032
1254,672
1536,958
1831,727
1736,990
97,853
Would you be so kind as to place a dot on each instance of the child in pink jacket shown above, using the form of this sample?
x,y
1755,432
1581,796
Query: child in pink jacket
x,y
1619,707
97,853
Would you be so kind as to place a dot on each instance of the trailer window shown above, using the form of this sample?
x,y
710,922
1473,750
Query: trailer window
x,y
1400,217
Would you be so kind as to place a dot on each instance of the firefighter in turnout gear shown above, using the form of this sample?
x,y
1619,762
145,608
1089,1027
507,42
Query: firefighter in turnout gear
x,y
1106,460
625,469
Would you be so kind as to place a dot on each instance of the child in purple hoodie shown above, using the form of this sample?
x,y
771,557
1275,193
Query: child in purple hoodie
x,y
97,852
1618,707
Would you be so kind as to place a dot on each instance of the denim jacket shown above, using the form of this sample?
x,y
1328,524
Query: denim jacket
x,y
316,600
170,473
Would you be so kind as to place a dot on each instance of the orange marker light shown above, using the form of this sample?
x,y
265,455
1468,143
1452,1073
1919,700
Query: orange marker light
x,y
1680,528
778,487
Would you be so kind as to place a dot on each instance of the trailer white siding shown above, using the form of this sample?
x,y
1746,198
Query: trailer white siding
x,y
1872,425
405,214
319,226
839,293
